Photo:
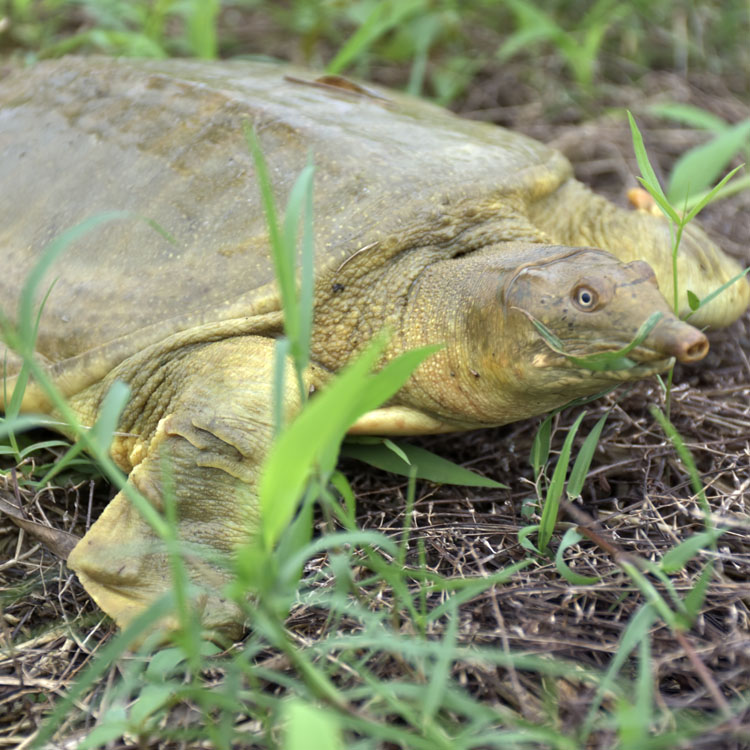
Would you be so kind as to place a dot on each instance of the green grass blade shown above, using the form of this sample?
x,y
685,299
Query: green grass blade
x,y
202,18
313,439
429,466
280,353
296,452
384,16
687,460
571,538
43,445
20,423
702,200
439,675
282,259
634,720
107,41
652,595
62,463
165,661
293,539
555,489
601,361
296,211
523,538
307,726
371,28
397,449
288,567
523,39
109,415
676,558
534,25
698,168
307,271
541,446
554,342
650,181
718,291
663,203
297,305
725,191
397,370
342,486
687,114
109,653
697,595
636,630
584,458
113,723
151,699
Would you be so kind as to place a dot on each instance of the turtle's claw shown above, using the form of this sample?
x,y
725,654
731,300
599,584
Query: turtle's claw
x,y
642,200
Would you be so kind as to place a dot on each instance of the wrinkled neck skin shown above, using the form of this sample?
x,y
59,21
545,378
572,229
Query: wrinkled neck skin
x,y
573,215
484,374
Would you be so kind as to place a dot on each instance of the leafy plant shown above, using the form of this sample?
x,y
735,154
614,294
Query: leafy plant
x,y
411,460
120,27
551,489
679,221
609,360
697,169
579,47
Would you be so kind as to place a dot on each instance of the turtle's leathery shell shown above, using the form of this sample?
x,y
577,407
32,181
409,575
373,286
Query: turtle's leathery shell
x,y
165,141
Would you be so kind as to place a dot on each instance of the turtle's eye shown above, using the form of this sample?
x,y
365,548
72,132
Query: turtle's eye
x,y
585,298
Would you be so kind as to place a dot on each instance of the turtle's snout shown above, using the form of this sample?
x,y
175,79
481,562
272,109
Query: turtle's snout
x,y
680,340
690,347
693,349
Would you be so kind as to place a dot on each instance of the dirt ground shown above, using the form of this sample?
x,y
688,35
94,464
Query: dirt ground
x,y
638,497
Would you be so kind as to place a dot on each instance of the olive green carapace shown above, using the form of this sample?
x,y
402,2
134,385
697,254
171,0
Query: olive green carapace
x,y
439,229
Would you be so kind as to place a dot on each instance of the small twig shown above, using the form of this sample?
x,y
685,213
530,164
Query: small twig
x,y
705,676
619,556
585,522
358,252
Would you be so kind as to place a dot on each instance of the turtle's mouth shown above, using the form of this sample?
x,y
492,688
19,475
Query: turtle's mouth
x,y
640,370
641,362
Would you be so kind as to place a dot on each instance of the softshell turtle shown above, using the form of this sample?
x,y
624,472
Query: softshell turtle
x,y
441,229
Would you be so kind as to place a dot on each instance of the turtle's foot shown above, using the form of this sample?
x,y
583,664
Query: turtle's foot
x,y
642,200
125,567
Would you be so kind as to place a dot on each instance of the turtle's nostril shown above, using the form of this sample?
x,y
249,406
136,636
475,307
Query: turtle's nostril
x,y
678,339
693,349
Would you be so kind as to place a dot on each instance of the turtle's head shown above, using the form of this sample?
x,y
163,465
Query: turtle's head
x,y
527,328
567,315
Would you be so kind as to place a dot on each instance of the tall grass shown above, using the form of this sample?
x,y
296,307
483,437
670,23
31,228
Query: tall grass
x,y
443,43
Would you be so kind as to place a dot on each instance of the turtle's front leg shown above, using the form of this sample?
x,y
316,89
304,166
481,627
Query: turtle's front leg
x,y
209,447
